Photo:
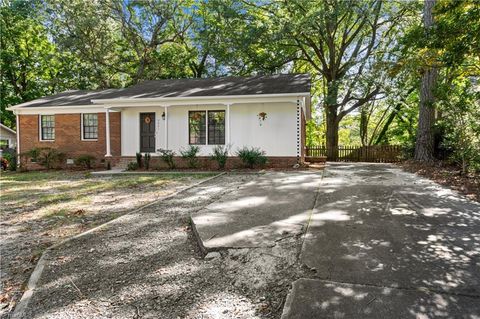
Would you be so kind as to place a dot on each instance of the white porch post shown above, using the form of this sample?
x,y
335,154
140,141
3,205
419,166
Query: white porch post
x,y
166,127
18,138
107,132
228,124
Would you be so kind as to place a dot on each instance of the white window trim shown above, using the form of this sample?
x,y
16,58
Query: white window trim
x,y
81,129
40,135
206,125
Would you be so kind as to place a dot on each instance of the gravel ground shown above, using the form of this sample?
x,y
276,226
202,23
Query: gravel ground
x,y
40,209
147,265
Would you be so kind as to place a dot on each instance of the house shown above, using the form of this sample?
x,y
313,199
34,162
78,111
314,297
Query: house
x,y
8,137
268,112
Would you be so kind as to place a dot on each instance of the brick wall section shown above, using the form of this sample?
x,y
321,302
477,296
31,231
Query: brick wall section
x,y
205,162
68,135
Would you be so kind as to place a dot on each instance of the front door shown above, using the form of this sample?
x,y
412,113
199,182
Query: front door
x,y
147,132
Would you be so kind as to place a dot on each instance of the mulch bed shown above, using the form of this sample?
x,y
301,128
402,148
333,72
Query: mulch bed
x,y
448,175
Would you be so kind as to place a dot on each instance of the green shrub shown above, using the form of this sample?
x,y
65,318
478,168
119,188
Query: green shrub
x,y
51,158
220,155
85,160
12,164
132,166
34,153
147,160
190,154
139,159
252,156
167,157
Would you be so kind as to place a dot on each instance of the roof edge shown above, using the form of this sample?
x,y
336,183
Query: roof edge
x,y
180,98
7,128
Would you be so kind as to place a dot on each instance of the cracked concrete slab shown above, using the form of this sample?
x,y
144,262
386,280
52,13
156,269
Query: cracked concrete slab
x,y
271,207
314,299
376,224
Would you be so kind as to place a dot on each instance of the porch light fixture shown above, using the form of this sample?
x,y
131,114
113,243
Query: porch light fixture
x,y
163,116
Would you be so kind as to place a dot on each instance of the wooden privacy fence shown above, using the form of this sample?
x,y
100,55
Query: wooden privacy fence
x,y
373,153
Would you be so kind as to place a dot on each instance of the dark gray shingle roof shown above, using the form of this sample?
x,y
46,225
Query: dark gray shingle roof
x,y
224,86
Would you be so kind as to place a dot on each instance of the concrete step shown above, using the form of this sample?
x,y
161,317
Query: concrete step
x,y
316,159
122,163
314,299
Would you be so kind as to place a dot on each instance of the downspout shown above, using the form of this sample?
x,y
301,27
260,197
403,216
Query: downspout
x,y
166,127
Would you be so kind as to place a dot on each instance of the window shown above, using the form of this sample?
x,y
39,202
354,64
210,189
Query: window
x,y
47,127
196,127
90,126
216,127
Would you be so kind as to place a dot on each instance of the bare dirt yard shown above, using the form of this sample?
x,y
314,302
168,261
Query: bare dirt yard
x,y
40,209
447,175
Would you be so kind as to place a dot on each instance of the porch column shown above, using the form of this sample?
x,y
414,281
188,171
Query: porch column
x,y
166,127
107,132
228,124
18,137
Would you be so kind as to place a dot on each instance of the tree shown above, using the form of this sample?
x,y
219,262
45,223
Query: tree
x,y
424,146
343,44
31,65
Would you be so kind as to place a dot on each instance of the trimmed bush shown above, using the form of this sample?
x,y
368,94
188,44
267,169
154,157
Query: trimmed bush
x,y
220,155
85,160
34,153
147,161
51,158
132,166
252,156
190,154
139,159
167,157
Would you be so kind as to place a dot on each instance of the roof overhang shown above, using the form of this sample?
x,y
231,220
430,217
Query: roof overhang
x,y
99,105
303,98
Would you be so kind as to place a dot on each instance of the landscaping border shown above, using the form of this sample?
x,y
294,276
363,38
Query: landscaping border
x,y
19,311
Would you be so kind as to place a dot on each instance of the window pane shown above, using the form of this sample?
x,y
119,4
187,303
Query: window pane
x,y
90,126
48,127
197,129
216,127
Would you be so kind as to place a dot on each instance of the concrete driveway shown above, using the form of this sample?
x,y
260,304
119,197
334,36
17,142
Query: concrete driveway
x,y
386,243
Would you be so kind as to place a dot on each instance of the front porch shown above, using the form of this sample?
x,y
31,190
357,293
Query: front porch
x,y
147,126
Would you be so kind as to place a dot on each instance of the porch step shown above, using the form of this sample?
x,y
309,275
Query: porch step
x,y
122,163
316,159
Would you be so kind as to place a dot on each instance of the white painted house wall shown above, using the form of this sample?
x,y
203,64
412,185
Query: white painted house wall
x,y
9,136
277,135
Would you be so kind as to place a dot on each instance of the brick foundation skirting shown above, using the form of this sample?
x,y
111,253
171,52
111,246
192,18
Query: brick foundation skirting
x,y
205,162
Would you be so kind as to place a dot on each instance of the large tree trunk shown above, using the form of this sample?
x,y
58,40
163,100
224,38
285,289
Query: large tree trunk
x,y
363,126
332,135
424,146
332,120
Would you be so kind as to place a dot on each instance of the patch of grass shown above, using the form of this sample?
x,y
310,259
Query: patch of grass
x,y
43,188
39,176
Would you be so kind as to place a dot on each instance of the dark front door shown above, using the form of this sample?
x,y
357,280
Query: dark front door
x,y
147,132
